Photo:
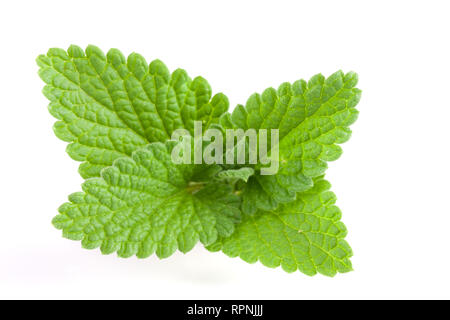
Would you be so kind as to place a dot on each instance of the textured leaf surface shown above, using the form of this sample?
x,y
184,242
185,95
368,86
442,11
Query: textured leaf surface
x,y
305,235
236,174
145,204
109,106
313,118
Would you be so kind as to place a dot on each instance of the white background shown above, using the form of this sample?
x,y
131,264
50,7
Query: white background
x,y
392,181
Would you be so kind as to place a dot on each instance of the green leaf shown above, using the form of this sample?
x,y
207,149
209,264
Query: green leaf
x,y
312,118
109,106
145,204
118,114
305,235
236,174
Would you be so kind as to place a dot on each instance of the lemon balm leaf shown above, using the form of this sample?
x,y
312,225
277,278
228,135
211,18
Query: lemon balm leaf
x,y
118,115
305,235
108,106
145,204
236,174
313,118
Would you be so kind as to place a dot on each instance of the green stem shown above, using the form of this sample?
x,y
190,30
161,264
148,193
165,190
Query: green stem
x,y
194,187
